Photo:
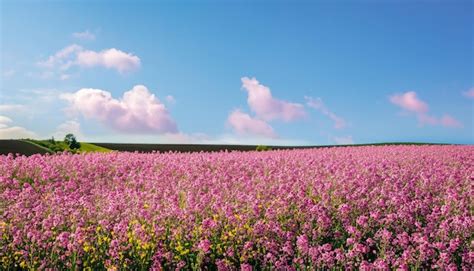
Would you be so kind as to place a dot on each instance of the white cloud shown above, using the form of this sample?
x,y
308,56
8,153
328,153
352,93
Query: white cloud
x,y
138,111
75,55
13,132
109,58
318,104
266,107
86,35
243,124
63,59
409,102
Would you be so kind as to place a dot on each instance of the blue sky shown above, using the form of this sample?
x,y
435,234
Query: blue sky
x,y
269,72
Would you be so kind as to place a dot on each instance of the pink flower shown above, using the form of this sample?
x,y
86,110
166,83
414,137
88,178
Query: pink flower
x,y
204,245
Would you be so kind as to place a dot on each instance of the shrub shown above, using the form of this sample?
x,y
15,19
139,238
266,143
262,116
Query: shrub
x,y
263,148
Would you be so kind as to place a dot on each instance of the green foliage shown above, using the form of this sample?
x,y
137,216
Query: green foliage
x,y
54,146
71,141
263,148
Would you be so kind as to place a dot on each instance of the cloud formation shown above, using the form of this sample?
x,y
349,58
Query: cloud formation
x,y
86,35
76,55
266,107
244,124
318,104
13,132
137,111
409,102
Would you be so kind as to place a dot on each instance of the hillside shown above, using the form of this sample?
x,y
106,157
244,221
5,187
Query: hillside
x,y
30,147
20,147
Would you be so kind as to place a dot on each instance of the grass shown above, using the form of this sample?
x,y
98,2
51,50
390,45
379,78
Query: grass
x,y
89,147
60,146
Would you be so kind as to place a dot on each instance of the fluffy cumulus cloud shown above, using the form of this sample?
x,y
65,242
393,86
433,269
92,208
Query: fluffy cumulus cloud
x,y
7,131
86,35
244,124
266,107
137,111
409,102
318,104
469,93
75,55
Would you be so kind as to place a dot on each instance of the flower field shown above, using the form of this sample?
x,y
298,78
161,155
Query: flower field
x,y
368,208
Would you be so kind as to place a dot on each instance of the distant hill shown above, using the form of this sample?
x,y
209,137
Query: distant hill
x,y
30,147
20,147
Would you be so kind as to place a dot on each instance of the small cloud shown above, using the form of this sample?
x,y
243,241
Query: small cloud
x,y
76,56
243,124
13,132
344,140
137,111
63,59
266,107
109,58
86,35
411,103
469,93
318,104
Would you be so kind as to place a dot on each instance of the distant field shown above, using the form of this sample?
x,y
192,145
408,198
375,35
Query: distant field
x,y
23,147
20,147
213,148
30,147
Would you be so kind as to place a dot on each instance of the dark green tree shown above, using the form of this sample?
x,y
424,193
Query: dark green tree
x,y
71,141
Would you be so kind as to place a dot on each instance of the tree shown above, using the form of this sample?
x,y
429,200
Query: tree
x,y
71,141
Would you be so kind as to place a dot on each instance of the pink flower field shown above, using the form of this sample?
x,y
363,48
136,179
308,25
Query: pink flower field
x,y
367,208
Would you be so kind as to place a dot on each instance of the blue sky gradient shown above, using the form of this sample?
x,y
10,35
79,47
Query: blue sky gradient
x,y
354,56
